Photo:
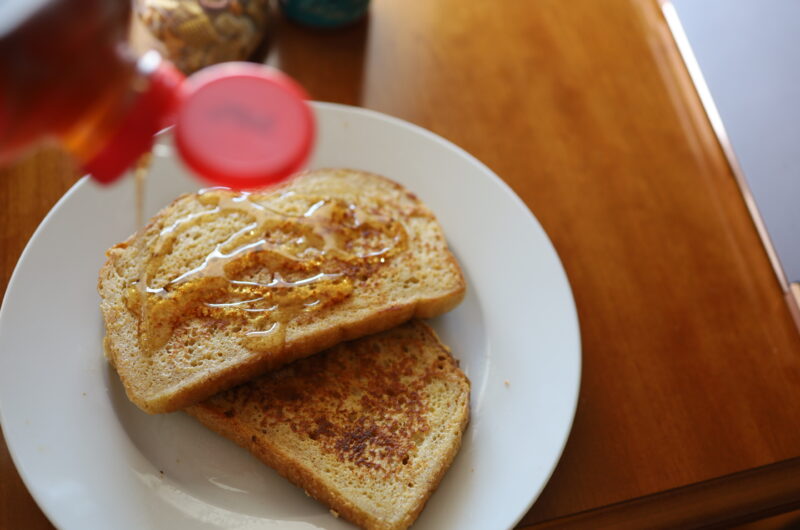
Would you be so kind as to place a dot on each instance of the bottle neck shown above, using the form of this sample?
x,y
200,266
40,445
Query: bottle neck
x,y
85,134
119,131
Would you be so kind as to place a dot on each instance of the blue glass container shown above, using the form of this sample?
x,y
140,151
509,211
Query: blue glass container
x,y
324,13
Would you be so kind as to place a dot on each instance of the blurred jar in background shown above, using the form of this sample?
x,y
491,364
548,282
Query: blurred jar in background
x,y
194,34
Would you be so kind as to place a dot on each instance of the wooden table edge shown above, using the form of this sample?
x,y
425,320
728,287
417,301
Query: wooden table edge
x,y
719,502
737,498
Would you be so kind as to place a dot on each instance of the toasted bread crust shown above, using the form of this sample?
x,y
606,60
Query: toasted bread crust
x,y
232,364
243,415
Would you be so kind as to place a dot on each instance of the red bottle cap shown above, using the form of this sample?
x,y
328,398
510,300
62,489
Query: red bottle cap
x,y
243,125
149,113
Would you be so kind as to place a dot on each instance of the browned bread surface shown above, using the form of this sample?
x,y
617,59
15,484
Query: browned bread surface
x,y
339,253
368,427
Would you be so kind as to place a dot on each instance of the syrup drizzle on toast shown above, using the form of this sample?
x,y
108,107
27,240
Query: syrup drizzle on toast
x,y
312,261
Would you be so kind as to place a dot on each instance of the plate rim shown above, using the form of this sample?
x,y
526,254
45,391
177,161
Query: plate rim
x,y
441,141
15,458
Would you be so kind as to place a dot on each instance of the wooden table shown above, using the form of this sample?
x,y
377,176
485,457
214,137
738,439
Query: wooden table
x,y
690,401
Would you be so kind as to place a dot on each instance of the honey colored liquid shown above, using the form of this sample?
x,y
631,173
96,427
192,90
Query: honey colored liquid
x,y
303,262
62,72
140,172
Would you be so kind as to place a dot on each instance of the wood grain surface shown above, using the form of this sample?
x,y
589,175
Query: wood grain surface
x,y
691,361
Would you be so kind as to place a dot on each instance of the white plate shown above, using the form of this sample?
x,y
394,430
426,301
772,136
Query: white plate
x,y
94,461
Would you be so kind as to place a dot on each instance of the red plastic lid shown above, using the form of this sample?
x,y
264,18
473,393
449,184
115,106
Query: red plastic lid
x,y
148,115
243,125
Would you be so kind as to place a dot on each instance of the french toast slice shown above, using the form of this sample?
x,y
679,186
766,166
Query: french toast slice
x,y
222,286
368,427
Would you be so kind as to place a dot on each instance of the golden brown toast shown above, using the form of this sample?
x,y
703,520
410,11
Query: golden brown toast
x,y
368,427
222,286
